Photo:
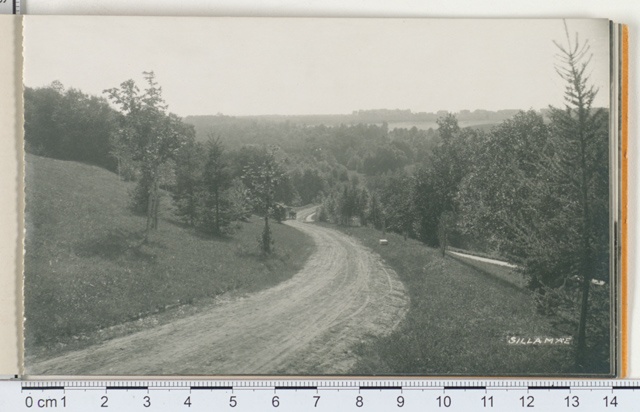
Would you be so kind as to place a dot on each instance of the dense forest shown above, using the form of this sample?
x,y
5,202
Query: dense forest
x,y
532,190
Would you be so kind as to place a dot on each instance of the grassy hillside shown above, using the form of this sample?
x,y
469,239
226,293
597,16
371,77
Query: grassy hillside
x,y
459,321
86,267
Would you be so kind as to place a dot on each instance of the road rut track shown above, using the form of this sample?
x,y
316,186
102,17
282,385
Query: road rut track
x,y
306,325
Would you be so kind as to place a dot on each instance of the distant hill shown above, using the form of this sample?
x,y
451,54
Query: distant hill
x,y
406,119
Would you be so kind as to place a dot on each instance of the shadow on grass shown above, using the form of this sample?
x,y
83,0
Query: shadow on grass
x,y
177,222
116,244
224,237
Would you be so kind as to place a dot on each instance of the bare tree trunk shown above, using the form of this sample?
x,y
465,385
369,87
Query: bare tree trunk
x,y
442,232
581,349
156,204
149,214
152,208
266,238
587,266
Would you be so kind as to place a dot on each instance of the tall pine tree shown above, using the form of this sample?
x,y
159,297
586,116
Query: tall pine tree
x,y
582,164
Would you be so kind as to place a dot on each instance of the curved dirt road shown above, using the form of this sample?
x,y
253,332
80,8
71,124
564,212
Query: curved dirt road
x,y
306,325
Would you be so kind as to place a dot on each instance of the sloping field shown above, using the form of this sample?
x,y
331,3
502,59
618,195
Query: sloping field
x,y
86,267
460,321
306,325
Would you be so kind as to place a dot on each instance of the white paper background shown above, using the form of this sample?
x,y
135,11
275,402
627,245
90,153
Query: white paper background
x,y
623,11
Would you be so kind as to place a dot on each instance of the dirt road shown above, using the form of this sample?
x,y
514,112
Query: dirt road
x,y
306,325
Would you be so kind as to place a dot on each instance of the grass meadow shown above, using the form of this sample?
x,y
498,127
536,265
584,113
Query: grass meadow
x,y
86,267
459,320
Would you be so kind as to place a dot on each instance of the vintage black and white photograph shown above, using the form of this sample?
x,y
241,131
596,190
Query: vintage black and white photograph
x,y
316,196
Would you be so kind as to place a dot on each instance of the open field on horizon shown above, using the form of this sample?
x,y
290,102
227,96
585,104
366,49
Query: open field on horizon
x,y
483,124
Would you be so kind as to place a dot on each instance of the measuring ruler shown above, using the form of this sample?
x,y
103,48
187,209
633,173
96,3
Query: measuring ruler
x,y
10,7
321,395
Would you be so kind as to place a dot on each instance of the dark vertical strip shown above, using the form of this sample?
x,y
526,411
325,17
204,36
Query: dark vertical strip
x,y
43,388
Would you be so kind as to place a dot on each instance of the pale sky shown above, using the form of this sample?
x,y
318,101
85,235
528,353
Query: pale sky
x,y
249,66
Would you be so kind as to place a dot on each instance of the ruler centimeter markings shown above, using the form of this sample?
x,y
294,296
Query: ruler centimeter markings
x,y
320,395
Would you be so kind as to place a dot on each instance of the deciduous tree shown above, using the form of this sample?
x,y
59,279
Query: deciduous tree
x,y
152,135
262,177
68,124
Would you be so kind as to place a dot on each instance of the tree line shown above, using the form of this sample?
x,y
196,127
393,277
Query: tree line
x,y
212,181
130,132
